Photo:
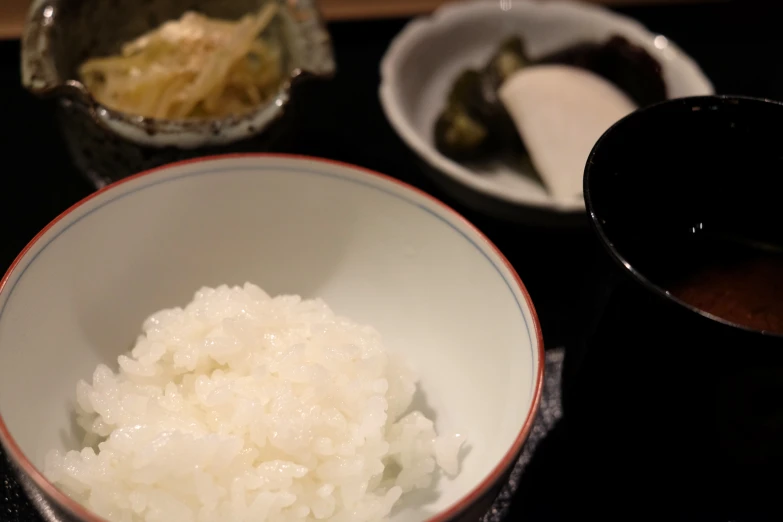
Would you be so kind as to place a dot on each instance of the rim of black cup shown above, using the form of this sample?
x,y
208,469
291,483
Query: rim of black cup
x,y
598,229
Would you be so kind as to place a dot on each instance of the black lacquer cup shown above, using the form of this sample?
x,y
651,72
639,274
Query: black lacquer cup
x,y
672,393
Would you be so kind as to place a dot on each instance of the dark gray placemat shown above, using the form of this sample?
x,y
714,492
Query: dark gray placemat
x,y
16,507
549,413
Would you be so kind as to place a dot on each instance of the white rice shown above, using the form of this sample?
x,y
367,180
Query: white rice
x,y
242,407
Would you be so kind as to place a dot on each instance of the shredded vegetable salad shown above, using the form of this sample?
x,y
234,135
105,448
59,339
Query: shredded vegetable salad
x,y
194,67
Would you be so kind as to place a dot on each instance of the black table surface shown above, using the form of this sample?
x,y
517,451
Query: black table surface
x,y
736,43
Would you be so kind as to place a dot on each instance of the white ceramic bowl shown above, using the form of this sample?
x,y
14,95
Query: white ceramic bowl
x,y
423,60
375,249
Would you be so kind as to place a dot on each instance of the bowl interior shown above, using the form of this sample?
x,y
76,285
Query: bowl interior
x,y
375,250
682,169
421,66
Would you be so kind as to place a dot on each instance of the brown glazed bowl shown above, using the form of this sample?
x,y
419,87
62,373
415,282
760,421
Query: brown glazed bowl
x,y
108,145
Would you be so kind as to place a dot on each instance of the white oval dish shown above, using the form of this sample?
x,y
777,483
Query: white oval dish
x,y
423,60
378,251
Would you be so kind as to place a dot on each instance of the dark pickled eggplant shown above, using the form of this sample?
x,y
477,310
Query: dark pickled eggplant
x,y
627,65
467,92
459,134
580,55
475,123
510,58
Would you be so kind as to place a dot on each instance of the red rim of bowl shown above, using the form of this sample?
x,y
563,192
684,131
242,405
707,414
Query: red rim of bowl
x,y
478,492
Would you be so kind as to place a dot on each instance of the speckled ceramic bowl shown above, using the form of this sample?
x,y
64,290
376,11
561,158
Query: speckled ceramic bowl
x,y
108,145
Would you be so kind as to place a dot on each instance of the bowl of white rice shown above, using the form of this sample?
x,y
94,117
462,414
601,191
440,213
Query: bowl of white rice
x,y
264,338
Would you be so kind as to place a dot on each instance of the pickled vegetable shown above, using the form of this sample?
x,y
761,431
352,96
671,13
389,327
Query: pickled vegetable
x,y
626,65
194,67
508,59
459,134
475,123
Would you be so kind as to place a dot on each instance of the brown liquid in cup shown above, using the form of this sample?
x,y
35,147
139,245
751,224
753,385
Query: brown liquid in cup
x,y
744,288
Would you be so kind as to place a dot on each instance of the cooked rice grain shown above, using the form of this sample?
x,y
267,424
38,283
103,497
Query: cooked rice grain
x,y
243,407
